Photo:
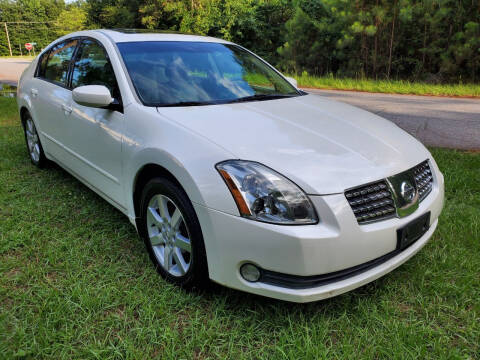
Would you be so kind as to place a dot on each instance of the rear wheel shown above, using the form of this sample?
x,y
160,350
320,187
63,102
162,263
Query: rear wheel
x,y
32,139
172,234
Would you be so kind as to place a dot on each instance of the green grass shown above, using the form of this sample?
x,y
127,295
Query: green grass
x,y
8,113
75,282
388,86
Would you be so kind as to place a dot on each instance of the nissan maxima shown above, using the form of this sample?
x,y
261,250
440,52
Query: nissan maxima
x,y
227,170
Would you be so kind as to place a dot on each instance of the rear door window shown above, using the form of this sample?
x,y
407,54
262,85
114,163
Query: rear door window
x,y
42,65
56,68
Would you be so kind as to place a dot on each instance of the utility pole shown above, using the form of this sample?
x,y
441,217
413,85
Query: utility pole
x,y
20,22
8,38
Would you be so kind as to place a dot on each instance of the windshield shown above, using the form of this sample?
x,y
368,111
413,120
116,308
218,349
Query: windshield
x,y
176,73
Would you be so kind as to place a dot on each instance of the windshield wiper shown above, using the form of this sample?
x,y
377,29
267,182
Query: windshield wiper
x,y
186,103
242,99
262,97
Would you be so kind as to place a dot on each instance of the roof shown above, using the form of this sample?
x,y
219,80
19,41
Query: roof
x,y
130,35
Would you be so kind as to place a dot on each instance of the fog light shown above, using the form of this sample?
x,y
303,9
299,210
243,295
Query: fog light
x,y
250,272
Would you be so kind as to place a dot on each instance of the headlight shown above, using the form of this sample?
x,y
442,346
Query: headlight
x,y
264,195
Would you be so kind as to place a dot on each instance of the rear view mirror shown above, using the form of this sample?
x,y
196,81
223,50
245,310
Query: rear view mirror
x,y
97,96
292,81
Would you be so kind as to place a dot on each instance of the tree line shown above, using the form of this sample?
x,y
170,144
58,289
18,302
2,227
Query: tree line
x,y
421,40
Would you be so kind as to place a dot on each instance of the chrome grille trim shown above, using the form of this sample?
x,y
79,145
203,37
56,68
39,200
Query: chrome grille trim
x,y
375,201
371,202
423,179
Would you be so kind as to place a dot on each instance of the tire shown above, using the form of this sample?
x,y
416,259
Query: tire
x,y
166,231
34,147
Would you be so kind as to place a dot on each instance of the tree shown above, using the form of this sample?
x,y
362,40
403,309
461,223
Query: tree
x,y
73,19
430,40
21,14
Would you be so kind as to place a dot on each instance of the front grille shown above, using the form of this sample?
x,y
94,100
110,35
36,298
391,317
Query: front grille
x,y
371,202
423,179
375,201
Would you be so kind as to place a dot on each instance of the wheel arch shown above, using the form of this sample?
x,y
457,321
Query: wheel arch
x,y
144,175
23,112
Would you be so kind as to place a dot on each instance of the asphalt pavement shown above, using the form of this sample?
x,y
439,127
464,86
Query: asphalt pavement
x,y
11,69
435,121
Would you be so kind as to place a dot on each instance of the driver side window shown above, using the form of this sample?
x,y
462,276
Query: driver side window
x,y
92,67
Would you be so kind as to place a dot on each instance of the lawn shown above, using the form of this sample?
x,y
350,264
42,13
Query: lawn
x,y
76,282
388,86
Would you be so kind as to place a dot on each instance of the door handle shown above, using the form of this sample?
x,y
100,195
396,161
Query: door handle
x,y
34,92
67,109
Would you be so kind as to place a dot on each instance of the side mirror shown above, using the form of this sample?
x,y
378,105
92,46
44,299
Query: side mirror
x,y
292,81
97,96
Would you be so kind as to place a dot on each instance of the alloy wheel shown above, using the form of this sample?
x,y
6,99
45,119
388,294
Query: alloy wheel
x,y
33,142
169,235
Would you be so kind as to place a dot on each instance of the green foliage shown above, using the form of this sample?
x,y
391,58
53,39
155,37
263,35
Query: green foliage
x,y
112,13
430,40
73,19
434,41
53,18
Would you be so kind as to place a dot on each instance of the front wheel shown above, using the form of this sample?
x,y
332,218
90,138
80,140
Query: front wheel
x,y
172,234
34,146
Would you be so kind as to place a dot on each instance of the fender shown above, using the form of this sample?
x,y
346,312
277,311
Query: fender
x,y
153,139
192,188
166,160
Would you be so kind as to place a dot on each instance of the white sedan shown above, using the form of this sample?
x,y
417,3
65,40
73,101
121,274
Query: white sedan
x,y
228,171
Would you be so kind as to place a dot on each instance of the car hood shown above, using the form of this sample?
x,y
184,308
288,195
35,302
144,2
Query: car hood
x,y
322,145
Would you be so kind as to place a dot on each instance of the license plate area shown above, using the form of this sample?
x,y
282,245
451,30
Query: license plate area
x,y
413,231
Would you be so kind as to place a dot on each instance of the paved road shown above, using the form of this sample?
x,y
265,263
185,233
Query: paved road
x,y
11,69
436,121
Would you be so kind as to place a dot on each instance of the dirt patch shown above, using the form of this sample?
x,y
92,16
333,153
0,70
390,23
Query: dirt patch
x,y
13,273
404,308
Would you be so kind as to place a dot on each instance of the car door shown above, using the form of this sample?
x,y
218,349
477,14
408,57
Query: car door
x,y
95,134
50,94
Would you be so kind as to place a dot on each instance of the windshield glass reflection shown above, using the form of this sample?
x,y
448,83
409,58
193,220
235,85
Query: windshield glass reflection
x,y
196,73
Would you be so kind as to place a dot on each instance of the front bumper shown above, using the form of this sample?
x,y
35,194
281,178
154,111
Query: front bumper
x,y
336,243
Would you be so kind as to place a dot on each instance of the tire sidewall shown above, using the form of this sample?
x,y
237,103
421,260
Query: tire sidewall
x,y
41,159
